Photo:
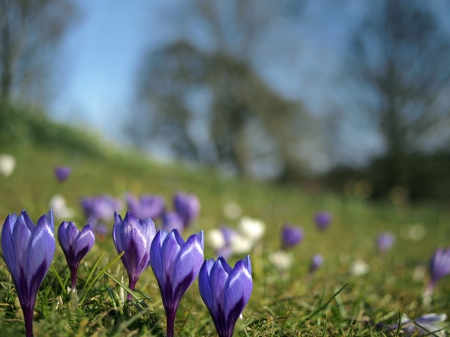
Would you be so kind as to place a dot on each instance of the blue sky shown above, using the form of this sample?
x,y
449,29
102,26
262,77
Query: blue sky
x,y
101,54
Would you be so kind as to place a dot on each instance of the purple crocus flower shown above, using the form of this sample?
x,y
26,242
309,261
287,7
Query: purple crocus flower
x,y
385,241
291,236
62,173
225,291
100,208
134,237
75,245
187,205
323,220
148,206
28,252
171,220
316,262
175,264
439,267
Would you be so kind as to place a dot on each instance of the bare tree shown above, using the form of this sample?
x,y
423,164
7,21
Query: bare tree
x,y
401,58
235,98
29,32
244,119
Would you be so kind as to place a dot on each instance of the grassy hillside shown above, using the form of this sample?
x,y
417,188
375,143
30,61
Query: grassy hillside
x,y
280,302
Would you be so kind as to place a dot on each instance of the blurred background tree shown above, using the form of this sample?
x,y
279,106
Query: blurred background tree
x,y
212,106
400,60
30,31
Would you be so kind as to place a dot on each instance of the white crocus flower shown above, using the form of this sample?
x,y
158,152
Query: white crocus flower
x,y
253,229
215,239
281,260
7,164
240,244
59,208
359,267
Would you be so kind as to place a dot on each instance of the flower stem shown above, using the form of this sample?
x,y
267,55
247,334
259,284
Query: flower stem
x,y
73,277
28,317
170,315
131,285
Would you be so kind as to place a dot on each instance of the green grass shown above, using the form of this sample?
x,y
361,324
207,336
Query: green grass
x,y
281,302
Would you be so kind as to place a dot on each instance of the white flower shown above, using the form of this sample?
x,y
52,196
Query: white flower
x,y
7,164
59,208
240,244
253,229
281,260
215,239
359,267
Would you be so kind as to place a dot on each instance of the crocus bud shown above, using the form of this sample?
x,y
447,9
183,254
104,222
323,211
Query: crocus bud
x,y
175,264
28,252
187,206
75,245
439,267
385,241
323,220
225,291
62,173
291,236
316,262
148,206
133,237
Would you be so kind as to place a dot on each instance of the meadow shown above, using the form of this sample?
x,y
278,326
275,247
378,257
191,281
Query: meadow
x,y
290,302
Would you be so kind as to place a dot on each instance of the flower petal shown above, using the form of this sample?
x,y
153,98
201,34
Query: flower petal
x,y
169,252
71,234
116,233
39,256
62,237
134,244
156,256
237,292
187,265
205,288
218,278
84,242
28,221
21,237
7,244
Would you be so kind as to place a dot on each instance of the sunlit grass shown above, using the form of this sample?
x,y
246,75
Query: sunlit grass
x,y
282,303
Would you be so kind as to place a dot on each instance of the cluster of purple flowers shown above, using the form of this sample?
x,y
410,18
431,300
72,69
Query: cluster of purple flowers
x,y
99,210
28,251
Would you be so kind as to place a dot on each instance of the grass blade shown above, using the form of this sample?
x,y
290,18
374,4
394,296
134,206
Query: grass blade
x,y
323,306
103,271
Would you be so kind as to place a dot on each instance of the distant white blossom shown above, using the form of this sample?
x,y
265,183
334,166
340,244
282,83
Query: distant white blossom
x,y
253,229
7,164
240,244
359,267
60,210
215,239
281,260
